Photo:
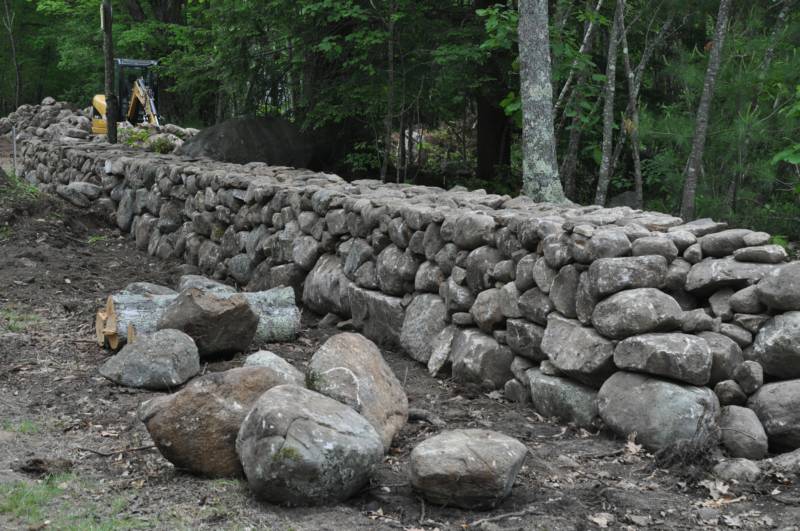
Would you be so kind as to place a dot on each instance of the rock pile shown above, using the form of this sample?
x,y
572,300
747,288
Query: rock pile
x,y
593,298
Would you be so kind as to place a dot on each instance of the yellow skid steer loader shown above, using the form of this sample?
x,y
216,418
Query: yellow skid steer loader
x,y
136,90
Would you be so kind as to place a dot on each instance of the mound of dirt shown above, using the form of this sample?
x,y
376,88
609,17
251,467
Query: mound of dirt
x,y
271,140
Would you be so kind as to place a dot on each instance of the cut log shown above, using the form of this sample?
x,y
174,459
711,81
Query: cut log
x,y
127,315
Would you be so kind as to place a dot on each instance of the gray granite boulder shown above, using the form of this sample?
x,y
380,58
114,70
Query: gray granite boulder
x,y
479,358
723,243
578,351
780,288
767,254
525,339
281,367
425,317
299,447
777,345
350,368
163,360
677,356
742,434
562,398
714,273
467,468
777,406
661,412
726,356
610,275
636,311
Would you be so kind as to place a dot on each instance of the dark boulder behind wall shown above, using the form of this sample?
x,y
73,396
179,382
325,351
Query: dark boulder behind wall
x,y
271,140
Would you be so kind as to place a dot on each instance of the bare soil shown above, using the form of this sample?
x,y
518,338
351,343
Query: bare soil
x,y
74,456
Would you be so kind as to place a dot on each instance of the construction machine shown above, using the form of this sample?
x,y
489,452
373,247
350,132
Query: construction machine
x,y
136,90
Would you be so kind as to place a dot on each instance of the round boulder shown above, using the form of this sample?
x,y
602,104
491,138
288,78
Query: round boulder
x,y
195,429
636,311
163,360
661,412
777,406
468,468
349,368
299,447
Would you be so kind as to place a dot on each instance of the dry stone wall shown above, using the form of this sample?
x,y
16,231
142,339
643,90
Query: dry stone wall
x,y
636,319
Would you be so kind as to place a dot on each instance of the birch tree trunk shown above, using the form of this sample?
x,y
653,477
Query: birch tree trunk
x,y
693,165
608,107
539,167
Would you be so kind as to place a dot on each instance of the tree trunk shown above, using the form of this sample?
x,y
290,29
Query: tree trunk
x,y
539,166
608,107
108,53
387,121
585,43
127,315
636,75
8,23
570,161
695,161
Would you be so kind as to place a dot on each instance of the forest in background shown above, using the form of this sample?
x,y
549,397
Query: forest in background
x,y
427,91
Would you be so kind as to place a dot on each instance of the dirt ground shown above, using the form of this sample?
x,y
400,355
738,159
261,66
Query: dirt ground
x,y
74,456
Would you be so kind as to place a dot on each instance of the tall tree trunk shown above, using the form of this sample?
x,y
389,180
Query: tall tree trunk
x,y
608,107
585,43
108,53
693,165
632,123
387,121
638,74
570,162
8,23
539,166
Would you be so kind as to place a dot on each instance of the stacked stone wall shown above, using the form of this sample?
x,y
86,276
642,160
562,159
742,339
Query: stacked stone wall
x,y
591,313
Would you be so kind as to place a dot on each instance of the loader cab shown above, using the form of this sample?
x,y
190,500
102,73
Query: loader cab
x,y
126,72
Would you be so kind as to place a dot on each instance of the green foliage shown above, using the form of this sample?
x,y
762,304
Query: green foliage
x,y
25,427
162,145
134,136
14,320
324,65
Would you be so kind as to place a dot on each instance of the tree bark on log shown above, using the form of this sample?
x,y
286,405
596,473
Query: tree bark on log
x,y
127,315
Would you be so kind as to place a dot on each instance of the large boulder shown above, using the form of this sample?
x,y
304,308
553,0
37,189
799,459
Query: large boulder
x,y
525,339
562,398
610,275
163,360
468,468
578,351
195,428
777,406
326,287
777,346
299,447
780,288
396,271
723,243
678,356
219,324
425,317
380,317
636,311
479,358
742,433
661,412
487,310
712,274
726,356
349,368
